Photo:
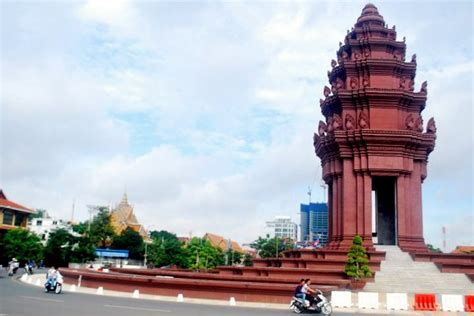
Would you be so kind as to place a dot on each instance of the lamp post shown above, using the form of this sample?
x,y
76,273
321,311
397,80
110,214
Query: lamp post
x,y
92,209
146,246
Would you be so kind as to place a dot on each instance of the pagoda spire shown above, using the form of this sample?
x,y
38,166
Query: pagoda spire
x,y
124,199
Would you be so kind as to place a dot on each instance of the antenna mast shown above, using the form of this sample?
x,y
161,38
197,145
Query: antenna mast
x,y
444,238
72,211
324,188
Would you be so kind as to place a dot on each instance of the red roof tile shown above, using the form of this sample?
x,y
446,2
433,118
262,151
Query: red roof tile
x,y
463,249
5,203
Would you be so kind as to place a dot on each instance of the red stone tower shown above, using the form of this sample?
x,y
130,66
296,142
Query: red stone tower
x,y
372,146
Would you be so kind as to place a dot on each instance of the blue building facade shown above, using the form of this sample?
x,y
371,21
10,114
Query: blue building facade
x,y
314,222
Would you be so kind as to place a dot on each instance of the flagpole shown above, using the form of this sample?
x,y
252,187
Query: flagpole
x,y
276,247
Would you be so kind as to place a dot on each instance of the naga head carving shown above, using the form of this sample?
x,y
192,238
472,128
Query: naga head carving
x,y
431,126
350,122
326,91
322,128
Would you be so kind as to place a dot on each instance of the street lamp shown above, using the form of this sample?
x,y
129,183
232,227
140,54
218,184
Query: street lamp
x,y
92,209
146,245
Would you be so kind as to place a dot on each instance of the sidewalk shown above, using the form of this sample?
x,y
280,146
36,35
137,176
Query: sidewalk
x,y
39,280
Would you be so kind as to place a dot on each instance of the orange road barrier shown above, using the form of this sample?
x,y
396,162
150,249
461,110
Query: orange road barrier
x,y
425,302
469,303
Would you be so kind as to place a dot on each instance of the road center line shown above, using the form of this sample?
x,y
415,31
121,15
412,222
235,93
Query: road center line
x,y
139,308
42,299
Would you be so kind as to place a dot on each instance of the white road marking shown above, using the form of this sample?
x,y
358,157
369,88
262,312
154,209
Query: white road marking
x,y
42,299
139,308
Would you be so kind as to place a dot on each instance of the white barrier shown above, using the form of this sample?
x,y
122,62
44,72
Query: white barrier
x,y
180,298
452,303
397,301
100,290
341,299
72,288
368,300
38,282
29,280
136,294
232,301
24,277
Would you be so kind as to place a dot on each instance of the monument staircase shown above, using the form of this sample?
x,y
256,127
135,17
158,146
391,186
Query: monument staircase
x,y
448,262
399,272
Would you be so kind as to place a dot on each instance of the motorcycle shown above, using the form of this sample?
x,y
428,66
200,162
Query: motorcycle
x,y
320,306
54,285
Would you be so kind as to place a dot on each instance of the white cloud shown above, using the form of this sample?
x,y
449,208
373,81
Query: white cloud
x,y
113,12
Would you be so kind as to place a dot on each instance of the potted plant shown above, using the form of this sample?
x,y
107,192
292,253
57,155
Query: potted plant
x,y
357,267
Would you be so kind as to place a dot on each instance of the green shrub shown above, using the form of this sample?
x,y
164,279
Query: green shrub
x,y
357,261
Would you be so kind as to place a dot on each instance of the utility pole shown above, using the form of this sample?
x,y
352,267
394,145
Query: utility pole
x,y
72,212
147,230
324,189
146,254
92,209
276,246
444,238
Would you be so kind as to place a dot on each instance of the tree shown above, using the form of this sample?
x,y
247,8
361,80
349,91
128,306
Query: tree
x,y
23,245
62,248
201,254
248,260
131,241
163,234
433,249
83,250
271,247
357,261
57,251
166,250
101,231
81,228
39,214
232,257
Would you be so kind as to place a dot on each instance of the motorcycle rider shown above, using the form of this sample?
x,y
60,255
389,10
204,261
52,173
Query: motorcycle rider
x,y
13,266
52,274
308,291
298,290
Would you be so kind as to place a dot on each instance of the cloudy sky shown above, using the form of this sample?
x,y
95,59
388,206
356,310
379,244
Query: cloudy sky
x,y
204,111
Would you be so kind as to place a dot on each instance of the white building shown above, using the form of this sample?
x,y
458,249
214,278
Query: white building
x,y
282,227
44,225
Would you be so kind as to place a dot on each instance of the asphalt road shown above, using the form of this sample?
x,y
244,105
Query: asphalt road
x,y
17,299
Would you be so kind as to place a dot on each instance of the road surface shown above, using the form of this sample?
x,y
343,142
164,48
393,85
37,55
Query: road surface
x,y
17,298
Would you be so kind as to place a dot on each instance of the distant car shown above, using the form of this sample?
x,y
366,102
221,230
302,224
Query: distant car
x,y
106,265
